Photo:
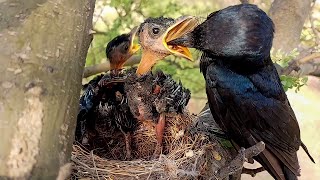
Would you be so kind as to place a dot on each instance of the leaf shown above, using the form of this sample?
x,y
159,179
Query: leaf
x,y
226,143
291,82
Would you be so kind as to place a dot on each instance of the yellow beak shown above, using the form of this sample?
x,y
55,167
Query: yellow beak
x,y
181,27
133,47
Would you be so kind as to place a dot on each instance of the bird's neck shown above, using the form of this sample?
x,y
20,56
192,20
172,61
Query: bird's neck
x,y
240,65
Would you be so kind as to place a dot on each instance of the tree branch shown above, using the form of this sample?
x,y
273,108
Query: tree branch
x,y
103,67
237,163
294,64
97,32
246,1
308,58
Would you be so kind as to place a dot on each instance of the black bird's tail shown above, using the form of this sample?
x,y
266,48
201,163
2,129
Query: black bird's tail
x,y
276,169
288,174
304,147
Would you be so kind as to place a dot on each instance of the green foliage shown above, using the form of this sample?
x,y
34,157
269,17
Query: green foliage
x,y
185,71
308,37
290,82
283,59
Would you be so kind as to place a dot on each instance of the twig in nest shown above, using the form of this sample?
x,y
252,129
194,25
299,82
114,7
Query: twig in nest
x,y
252,172
94,164
237,163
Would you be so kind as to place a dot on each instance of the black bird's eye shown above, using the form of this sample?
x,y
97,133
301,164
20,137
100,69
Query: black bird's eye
x,y
155,30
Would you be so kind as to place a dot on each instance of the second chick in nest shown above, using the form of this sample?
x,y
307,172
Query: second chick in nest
x,y
103,105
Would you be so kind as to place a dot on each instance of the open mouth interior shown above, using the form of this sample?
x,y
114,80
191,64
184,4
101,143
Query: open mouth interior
x,y
134,47
182,27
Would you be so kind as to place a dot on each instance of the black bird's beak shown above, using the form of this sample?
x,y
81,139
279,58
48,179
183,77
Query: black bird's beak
x,y
181,27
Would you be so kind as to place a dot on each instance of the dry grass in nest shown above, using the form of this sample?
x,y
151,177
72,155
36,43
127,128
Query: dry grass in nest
x,y
185,156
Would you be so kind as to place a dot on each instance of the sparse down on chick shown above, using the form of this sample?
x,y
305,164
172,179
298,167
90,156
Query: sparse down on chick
x,y
103,105
152,96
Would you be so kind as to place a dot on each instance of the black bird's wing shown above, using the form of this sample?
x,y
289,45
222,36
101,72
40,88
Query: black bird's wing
x,y
255,108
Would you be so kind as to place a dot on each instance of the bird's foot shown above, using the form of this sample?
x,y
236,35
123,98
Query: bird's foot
x,y
250,160
252,172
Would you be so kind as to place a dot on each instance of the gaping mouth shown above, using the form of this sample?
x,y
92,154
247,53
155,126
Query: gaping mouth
x,y
133,46
181,27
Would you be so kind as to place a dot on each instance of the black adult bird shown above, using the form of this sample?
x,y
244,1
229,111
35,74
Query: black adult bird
x,y
104,103
244,91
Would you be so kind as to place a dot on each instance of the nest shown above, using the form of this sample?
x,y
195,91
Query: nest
x,y
185,155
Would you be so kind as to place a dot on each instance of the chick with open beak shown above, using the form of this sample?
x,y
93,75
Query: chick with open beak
x,y
154,33
120,49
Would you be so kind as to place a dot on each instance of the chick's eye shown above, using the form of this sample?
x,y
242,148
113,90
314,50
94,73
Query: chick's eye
x,y
126,47
155,30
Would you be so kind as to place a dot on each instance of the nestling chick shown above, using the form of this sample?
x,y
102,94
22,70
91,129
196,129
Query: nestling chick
x,y
103,105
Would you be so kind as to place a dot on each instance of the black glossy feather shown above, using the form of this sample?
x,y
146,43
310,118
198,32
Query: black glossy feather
x,y
121,39
244,91
104,106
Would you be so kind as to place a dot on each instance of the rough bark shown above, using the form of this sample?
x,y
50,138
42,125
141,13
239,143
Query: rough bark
x,y
42,54
288,17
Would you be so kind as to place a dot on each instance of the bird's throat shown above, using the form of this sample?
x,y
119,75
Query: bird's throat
x,y
148,60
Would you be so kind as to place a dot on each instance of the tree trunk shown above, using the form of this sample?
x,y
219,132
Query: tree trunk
x,y
42,54
288,17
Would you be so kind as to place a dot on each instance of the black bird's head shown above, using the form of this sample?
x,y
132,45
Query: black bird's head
x,y
154,33
240,31
120,49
